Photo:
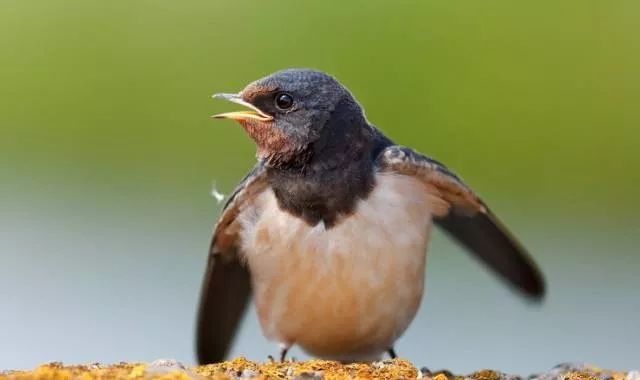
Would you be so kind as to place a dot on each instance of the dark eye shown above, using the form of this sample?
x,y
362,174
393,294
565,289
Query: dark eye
x,y
284,101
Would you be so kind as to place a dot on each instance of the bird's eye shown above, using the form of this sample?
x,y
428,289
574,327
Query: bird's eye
x,y
284,101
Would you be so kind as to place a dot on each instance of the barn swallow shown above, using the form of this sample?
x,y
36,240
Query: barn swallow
x,y
330,229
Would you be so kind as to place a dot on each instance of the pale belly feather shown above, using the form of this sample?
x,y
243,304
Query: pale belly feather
x,y
347,292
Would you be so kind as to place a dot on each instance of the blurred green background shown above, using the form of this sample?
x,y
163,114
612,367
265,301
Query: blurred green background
x,y
107,158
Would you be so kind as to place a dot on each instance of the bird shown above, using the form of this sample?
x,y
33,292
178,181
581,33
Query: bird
x,y
330,229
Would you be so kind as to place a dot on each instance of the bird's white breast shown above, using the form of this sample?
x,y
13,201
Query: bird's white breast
x,y
347,292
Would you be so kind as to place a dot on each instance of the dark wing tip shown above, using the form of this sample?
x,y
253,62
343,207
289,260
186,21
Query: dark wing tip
x,y
531,283
225,295
492,244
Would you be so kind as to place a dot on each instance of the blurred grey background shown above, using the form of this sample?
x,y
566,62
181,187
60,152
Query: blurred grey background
x,y
107,158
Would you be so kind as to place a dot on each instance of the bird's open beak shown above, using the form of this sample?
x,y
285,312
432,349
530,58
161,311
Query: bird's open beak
x,y
252,113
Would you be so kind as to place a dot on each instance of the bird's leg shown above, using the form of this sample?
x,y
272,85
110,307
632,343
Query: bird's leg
x,y
284,348
392,353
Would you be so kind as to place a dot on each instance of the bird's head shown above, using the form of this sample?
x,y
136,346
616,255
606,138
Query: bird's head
x,y
291,110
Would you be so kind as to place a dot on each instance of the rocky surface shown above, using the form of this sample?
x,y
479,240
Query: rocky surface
x,y
243,369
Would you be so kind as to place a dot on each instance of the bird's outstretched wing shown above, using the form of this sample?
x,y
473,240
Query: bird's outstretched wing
x,y
226,288
462,214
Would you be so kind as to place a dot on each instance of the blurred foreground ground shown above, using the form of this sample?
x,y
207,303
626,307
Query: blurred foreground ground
x,y
240,368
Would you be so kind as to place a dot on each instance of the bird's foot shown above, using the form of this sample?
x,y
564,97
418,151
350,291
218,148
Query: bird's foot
x,y
284,348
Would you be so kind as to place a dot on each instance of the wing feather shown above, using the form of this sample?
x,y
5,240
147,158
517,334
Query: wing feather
x,y
226,288
465,217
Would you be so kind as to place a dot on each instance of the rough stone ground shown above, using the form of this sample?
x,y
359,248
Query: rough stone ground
x,y
241,368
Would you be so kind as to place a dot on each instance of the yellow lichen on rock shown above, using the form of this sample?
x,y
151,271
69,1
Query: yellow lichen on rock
x,y
138,371
329,370
486,374
57,371
243,369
